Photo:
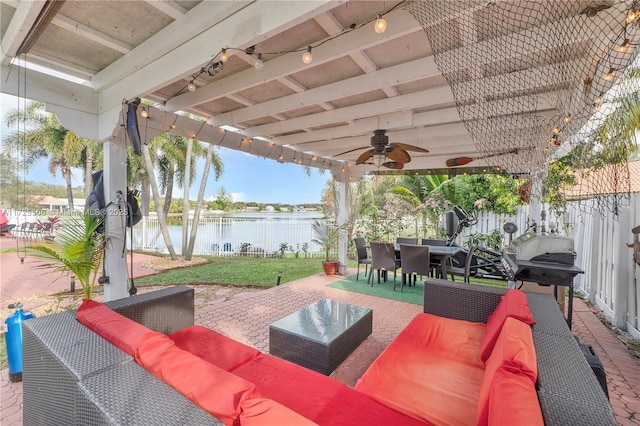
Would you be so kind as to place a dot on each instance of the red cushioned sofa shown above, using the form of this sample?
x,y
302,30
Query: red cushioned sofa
x,y
471,358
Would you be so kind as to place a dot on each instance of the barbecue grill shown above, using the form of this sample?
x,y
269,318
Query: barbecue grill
x,y
543,259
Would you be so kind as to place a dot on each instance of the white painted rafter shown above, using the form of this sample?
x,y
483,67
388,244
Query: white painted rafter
x,y
168,7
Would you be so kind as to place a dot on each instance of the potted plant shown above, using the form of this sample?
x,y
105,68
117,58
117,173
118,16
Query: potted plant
x,y
77,250
326,235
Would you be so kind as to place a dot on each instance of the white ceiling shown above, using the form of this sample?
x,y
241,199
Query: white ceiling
x,y
358,81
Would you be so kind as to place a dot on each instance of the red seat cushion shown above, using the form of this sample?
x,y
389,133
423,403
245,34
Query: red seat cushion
x,y
267,412
431,371
213,347
215,390
117,329
514,305
318,398
514,351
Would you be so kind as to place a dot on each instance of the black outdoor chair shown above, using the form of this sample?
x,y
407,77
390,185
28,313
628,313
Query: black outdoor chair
x,y
405,240
463,272
383,258
415,261
435,266
363,256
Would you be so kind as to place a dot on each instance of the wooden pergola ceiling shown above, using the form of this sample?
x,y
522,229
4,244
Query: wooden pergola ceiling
x,y
357,82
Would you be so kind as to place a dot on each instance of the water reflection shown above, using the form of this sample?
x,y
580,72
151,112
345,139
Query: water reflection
x,y
322,321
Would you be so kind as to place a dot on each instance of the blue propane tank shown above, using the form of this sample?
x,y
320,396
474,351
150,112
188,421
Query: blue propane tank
x,y
13,340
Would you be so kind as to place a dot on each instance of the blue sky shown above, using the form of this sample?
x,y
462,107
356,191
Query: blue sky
x,y
246,177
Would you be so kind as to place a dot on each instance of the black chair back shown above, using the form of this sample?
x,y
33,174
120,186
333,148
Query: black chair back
x,y
361,248
383,256
404,240
415,259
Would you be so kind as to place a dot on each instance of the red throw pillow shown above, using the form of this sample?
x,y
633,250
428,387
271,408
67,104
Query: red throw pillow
x,y
215,390
514,351
513,400
513,304
117,329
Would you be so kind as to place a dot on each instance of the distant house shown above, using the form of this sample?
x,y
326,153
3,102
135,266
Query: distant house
x,y
252,209
611,179
53,204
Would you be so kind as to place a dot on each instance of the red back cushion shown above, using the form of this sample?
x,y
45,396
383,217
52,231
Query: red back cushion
x,y
513,400
213,347
215,390
119,330
514,351
513,304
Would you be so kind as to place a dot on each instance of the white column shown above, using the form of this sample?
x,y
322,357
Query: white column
x,y
342,211
114,180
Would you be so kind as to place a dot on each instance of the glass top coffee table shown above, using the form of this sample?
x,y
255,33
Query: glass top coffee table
x,y
322,335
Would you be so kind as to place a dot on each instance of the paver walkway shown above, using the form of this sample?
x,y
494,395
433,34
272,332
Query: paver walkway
x,y
246,315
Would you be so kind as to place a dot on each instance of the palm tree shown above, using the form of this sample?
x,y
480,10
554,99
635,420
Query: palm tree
x,y
42,136
212,160
415,190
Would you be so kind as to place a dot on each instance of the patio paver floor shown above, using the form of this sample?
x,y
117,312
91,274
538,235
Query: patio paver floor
x,y
245,316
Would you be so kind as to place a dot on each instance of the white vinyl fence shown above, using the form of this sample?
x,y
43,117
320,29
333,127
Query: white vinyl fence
x,y
610,280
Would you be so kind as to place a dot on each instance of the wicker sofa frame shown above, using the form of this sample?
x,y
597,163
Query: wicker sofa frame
x,y
568,390
72,376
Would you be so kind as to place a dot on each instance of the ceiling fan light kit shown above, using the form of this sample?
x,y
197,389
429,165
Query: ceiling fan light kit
x,y
383,150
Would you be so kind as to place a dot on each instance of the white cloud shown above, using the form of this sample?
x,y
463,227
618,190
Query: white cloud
x,y
238,196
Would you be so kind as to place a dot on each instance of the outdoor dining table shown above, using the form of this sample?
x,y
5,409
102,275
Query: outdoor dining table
x,y
437,254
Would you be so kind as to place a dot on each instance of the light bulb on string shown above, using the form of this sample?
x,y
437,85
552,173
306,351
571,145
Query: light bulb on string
x,y
307,57
191,87
380,25
223,56
144,113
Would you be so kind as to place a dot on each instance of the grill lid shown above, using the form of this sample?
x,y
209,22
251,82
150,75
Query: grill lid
x,y
530,246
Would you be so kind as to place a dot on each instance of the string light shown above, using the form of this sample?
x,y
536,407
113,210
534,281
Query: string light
x,y
216,64
609,76
380,25
307,57
144,113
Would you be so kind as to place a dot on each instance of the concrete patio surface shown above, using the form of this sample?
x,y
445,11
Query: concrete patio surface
x,y
246,315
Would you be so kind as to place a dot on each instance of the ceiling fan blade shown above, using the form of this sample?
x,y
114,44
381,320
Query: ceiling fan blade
x,y
398,155
393,165
364,157
408,147
351,150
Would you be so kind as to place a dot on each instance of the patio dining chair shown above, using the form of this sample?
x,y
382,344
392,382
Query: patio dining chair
x,y
363,256
415,261
405,240
463,272
383,259
435,266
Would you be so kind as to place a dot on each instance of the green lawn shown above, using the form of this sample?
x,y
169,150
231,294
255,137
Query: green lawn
x,y
254,271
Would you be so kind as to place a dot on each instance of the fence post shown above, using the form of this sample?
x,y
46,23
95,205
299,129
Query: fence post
x,y
595,256
621,275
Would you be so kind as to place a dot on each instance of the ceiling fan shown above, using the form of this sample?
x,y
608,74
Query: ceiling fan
x,y
384,154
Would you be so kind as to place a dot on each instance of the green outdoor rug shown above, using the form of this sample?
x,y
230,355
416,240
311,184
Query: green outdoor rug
x,y
413,294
